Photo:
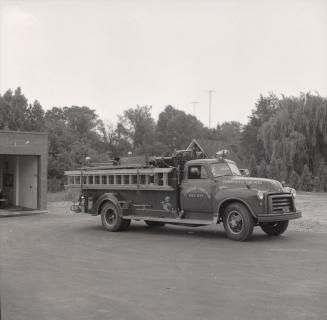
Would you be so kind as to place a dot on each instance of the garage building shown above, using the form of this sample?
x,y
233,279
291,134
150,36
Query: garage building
x,y
23,169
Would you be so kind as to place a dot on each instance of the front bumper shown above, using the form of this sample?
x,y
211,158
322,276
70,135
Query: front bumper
x,y
279,217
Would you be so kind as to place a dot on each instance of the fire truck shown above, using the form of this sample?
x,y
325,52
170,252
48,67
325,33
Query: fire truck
x,y
185,189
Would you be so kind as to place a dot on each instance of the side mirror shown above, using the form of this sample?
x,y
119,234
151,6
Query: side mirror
x,y
204,175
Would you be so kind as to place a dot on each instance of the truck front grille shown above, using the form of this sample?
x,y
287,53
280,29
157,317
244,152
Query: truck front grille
x,y
279,204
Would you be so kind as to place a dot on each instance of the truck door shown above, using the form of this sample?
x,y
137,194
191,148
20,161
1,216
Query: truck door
x,y
196,189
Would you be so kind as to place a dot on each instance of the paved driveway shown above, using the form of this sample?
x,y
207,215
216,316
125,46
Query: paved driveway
x,y
60,266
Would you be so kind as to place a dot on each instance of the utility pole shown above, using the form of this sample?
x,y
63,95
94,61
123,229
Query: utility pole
x,y
194,103
210,100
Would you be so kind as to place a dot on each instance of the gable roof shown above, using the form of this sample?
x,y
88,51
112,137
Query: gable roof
x,y
210,147
196,145
207,146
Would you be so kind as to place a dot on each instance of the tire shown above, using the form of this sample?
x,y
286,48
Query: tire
x,y
238,222
125,224
274,228
110,217
154,224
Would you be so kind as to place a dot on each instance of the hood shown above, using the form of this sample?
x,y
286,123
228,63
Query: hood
x,y
251,183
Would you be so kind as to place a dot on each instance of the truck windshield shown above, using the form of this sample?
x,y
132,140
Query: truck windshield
x,y
224,169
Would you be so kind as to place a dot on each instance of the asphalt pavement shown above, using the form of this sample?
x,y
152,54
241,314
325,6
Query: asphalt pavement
x,y
58,266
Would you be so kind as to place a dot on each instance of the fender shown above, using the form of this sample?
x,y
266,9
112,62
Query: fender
x,y
230,200
104,198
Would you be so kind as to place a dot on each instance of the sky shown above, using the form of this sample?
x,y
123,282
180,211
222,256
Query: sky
x,y
113,55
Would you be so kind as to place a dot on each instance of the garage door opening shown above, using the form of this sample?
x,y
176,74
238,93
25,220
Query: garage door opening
x,y
19,180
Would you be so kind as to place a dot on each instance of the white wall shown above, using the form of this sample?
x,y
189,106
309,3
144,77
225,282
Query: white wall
x,y
28,177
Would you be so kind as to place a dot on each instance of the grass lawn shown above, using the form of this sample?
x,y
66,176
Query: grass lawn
x,y
314,212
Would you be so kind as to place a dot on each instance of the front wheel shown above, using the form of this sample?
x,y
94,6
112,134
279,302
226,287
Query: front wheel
x,y
238,222
274,228
111,219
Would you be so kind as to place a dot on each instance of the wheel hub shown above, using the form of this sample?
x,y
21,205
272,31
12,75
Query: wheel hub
x,y
235,222
110,216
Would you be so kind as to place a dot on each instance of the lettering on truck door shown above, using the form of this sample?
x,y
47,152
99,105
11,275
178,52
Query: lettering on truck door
x,y
196,190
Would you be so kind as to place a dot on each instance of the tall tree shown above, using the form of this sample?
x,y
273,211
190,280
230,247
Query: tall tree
x,y
114,138
17,114
35,117
74,134
176,129
295,180
265,108
13,110
262,169
138,127
306,179
82,120
273,170
297,133
253,166
323,179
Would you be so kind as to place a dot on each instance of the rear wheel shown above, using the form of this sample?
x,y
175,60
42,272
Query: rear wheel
x,y
238,222
110,217
154,224
274,228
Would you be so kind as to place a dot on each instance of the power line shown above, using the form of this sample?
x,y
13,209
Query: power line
x,y
194,103
210,102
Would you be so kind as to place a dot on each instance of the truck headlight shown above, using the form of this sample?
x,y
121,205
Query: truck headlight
x,y
290,190
293,192
260,195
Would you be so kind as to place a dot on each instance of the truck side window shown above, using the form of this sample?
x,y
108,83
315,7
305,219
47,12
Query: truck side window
x,y
194,172
197,172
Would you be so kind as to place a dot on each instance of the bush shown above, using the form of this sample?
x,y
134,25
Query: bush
x,y
55,184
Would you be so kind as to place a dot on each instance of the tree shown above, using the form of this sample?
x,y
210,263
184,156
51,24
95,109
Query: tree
x,y
262,169
273,170
295,180
35,117
296,134
288,133
74,133
322,177
253,166
265,108
138,127
230,132
114,139
282,170
306,179
81,120
13,110
17,114
175,128
18,110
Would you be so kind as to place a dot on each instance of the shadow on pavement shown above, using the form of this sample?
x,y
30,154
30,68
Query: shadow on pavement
x,y
212,232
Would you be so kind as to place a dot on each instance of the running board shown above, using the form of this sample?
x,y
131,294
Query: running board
x,y
171,220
